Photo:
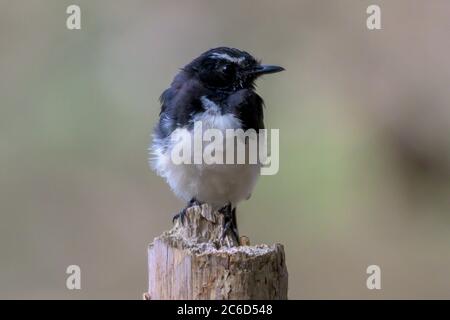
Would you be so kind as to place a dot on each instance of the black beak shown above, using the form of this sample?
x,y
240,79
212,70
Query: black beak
x,y
266,69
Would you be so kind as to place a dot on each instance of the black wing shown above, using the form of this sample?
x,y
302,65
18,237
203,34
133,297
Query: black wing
x,y
178,103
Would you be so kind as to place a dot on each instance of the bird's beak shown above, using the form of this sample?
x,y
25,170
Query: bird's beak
x,y
266,69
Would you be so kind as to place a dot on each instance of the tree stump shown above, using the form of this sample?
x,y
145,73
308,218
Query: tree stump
x,y
192,261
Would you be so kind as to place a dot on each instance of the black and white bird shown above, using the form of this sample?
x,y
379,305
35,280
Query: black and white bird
x,y
218,89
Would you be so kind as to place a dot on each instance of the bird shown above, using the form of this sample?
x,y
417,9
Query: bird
x,y
218,89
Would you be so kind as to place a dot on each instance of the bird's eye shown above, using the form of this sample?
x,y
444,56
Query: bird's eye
x,y
228,71
220,74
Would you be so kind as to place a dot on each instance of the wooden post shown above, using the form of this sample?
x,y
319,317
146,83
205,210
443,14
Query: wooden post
x,y
191,261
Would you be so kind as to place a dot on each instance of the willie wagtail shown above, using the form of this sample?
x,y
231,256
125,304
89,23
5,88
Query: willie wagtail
x,y
217,88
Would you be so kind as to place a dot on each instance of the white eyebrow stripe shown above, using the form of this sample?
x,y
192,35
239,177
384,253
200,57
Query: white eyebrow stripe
x,y
227,57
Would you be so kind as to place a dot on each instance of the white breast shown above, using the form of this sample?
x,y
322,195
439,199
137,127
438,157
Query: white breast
x,y
216,184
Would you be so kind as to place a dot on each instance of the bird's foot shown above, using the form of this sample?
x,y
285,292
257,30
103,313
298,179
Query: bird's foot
x,y
180,215
229,227
229,222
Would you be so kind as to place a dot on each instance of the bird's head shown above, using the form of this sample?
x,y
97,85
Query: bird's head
x,y
228,69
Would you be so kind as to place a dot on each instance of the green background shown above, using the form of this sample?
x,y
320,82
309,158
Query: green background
x,y
364,121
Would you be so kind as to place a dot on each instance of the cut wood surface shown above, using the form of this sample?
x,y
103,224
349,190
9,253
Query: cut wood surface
x,y
192,261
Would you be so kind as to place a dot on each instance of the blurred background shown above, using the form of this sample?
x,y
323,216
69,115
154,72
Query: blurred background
x,y
364,119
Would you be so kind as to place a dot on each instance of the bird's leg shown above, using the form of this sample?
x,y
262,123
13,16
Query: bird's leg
x,y
229,221
182,213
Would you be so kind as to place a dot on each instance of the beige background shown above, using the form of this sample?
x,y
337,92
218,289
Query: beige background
x,y
364,119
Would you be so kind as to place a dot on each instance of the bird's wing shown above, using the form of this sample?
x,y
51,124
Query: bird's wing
x,y
178,103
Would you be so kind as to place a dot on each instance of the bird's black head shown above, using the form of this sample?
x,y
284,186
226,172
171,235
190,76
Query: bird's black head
x,y
228,69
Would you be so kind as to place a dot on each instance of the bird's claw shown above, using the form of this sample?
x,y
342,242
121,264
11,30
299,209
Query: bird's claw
x,y
229,222
180,215
228,227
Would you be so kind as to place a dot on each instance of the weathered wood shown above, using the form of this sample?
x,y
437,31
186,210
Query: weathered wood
x,y
192,261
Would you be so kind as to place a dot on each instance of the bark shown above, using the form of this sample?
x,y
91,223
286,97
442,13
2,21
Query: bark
x,y
192,261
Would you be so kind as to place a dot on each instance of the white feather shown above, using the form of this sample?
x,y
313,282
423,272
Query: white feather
x,y
216,184
225,56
